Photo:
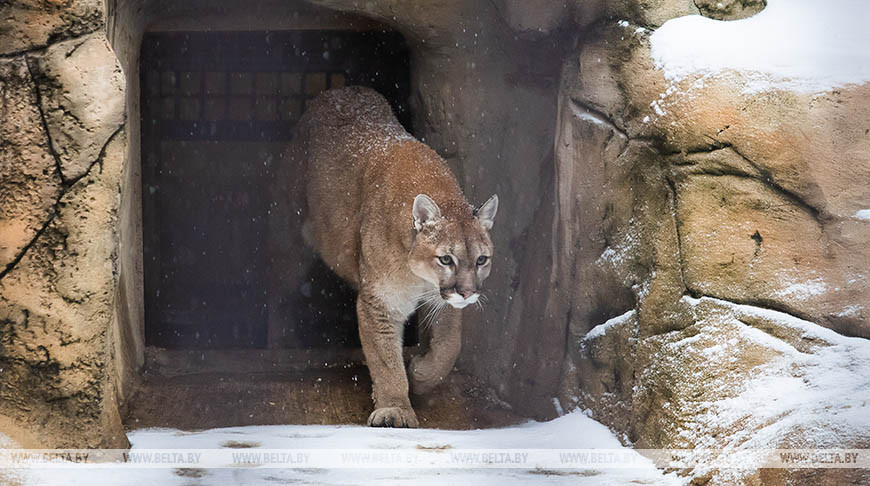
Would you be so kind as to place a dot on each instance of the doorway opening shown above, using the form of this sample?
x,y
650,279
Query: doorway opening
x,y
220,196
243,324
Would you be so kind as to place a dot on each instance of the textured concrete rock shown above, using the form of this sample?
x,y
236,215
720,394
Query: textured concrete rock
x,y
82,90
744,241
33,24
29,183
730,9
804,156
55,309
534,17
797,153
645,13
748,196
738,377
62,110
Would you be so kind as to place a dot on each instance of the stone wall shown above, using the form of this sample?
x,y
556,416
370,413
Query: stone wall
x,y
728,216
684,215
63,138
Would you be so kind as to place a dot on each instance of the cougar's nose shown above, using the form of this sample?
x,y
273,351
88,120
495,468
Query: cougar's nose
x,y
465,293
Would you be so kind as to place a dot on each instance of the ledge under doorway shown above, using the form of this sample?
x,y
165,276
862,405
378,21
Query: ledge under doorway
x,y
195,390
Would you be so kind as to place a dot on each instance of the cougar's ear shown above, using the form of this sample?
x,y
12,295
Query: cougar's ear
x,y
486,212
425,211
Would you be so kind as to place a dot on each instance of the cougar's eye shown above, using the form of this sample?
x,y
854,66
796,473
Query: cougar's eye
x,y
445,260
482,259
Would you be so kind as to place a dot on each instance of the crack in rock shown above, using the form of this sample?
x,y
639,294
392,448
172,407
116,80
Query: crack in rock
x,y
50,141
55,208
759,173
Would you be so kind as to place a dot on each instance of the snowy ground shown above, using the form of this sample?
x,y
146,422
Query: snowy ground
x,y
573,431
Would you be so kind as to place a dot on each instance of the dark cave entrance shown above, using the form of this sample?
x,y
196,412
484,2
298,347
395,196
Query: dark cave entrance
x,y
223,267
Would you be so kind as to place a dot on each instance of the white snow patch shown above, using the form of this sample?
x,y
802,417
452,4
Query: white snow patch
x,y
810,330
601,329
803,290
801,45
863,214
621,251
558,406
657,106
6,442
585,115
851,311
609,255
572,431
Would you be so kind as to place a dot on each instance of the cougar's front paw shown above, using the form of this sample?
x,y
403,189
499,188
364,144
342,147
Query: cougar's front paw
x,y
393,417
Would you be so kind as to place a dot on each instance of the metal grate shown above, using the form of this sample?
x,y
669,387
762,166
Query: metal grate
x,y
214,107
254,85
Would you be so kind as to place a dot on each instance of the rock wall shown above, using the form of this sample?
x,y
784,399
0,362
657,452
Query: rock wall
x,y
63,139
711,230
725,220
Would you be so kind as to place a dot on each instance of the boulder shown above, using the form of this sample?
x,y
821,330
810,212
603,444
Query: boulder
x,y
739,377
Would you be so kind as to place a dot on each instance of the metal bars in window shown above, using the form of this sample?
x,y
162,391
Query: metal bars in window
x,y
254,85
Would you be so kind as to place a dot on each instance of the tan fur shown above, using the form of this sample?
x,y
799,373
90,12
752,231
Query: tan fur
x,y
370,224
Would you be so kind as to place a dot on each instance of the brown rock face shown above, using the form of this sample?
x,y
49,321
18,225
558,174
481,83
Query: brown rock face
x,y
63,150
55,308
744,241
760,217
29,184
730,9
33,24
82,96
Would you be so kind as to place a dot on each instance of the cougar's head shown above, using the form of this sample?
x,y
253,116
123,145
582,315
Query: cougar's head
x,y
453,251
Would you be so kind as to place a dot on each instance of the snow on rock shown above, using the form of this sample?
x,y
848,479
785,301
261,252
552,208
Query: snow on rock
x,y
753,378
803,290
813,391
590,117
730,377
851,311
572,431
801,45
601,329
863,214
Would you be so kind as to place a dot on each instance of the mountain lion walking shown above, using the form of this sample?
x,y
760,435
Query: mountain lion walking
x,y
387,215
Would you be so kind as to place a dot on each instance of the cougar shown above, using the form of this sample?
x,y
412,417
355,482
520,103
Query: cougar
x,y
387,215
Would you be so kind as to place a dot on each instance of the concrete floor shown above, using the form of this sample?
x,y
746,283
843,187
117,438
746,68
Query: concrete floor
x,y
236,388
